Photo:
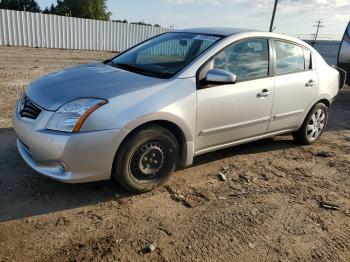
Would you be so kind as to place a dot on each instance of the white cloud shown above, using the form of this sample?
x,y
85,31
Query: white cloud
x,y
293,16
284,4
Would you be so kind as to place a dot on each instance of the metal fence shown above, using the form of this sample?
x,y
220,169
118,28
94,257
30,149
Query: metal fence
x,y
19,28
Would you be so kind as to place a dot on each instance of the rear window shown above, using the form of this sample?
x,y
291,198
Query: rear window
x,y
289,58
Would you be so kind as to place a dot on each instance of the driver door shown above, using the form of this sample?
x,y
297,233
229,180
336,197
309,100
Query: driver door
x,y
231,112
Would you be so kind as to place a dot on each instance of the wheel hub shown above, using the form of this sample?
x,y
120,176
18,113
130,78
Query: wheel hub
x,y
316,124
150,160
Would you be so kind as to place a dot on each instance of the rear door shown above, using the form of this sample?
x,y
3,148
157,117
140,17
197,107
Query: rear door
x,y
296,83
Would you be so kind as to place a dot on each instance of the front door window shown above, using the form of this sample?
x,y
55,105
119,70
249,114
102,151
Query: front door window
x,y
248,59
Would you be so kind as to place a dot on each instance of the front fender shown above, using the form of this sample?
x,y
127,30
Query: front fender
x,y
162,116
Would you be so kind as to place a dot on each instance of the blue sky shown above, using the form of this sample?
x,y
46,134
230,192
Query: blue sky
x,y
294,17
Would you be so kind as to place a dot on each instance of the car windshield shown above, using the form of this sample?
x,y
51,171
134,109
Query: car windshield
x,y
165,55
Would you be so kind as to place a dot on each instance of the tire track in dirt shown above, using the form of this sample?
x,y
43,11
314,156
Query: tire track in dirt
x,y
333,246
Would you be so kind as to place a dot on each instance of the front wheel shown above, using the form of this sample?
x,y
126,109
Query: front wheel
x,y
313,126
146,159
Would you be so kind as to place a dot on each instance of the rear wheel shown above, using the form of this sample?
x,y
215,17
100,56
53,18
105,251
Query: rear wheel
x,y
146,159
313,126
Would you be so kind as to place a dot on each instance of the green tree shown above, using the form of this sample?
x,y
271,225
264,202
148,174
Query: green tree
x,y
91,9
20,5
46,11
62,8
52,9
96,9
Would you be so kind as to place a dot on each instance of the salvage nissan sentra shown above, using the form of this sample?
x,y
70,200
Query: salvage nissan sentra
x,y
154,107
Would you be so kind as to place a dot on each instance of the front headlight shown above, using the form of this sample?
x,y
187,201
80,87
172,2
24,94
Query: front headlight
x,y
71,116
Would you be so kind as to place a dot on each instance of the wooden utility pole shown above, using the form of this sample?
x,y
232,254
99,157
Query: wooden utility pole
x,y
318,25
273,16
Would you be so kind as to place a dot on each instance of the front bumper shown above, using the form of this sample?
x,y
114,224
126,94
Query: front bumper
x,y
66,157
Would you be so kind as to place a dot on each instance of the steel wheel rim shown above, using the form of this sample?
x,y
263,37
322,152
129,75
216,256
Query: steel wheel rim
x,y
316,124
148,160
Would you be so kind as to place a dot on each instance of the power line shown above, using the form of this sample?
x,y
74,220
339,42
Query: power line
x,y
273,16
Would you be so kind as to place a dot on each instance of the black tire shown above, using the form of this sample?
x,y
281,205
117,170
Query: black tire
x,y
304,134
146,159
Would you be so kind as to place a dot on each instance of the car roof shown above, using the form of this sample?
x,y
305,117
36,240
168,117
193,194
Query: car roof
x,y
223,31
230,31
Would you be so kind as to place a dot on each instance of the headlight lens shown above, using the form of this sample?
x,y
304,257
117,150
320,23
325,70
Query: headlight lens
x,y
71,116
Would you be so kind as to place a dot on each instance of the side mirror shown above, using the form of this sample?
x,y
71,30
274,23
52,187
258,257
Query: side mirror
x,y
221,76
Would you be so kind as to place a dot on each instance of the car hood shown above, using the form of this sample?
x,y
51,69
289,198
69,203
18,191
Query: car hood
x,y
87,81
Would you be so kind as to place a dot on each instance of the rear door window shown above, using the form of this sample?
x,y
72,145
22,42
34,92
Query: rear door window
x,y
289,58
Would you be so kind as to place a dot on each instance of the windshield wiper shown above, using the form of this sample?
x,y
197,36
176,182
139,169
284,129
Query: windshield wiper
x,y
126,66
141,71
109,62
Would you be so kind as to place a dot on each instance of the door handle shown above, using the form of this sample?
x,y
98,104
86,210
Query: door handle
x,y
264,93
310,83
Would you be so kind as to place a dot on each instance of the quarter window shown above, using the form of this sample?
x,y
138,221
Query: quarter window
x,y
308,59
247,59
289,58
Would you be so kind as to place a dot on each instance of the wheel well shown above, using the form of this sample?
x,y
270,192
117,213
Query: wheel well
x,y
174,129
324,101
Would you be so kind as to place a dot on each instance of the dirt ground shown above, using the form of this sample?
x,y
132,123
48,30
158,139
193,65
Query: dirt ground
x,y
268,209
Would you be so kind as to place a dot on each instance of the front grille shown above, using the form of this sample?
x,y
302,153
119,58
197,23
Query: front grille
x,y
28,109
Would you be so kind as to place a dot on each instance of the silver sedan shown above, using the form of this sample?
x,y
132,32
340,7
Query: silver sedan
x,y
156,106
